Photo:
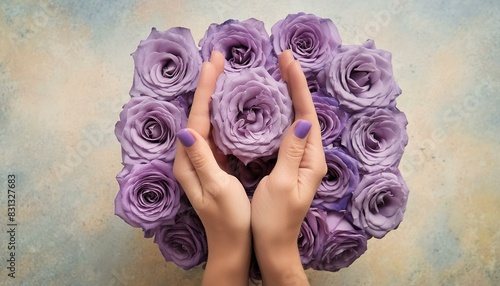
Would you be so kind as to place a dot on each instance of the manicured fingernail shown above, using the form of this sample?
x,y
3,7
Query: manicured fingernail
x,y
187,139
302,128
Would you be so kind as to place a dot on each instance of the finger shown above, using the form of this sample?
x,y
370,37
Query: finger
x,y
217,59
292,150
299,90
186,175
201,158
313,166
301,96
285,58
199,117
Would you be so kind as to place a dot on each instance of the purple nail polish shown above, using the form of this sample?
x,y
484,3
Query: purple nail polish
x,y
186,138
302,128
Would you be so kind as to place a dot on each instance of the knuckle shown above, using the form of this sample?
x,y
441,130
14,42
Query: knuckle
x,y
198,160
295,151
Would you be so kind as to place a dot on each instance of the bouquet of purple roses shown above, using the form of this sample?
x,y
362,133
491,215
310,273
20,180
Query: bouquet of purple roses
x,y
363,194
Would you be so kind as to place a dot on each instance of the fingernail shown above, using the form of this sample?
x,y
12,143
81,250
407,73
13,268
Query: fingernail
x,y
302,128
186,138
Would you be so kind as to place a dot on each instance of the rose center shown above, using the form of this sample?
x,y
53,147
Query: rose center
x,y
239,55
332,176
303,43
150,197
374,141
361,78
169,69
381,203
249,117
153,131
181,249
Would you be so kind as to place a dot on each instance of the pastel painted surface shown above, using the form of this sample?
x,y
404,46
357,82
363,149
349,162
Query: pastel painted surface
x,y
66,70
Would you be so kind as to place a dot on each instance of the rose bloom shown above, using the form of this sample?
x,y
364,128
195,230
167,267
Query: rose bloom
x,y
184,100
313,233
183,242
167,64
147,129
249,113
376,138
379,202
244,44
250,175
314,86
149,195
336,187
343,244
360,77
254,274
331,118
312,40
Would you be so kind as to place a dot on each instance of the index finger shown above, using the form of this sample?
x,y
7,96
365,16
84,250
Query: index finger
x,y
303,105
199,117
293,75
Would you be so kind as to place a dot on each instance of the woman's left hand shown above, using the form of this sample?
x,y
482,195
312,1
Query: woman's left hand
x,y
218,198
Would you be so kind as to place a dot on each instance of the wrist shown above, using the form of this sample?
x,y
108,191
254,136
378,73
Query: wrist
x,y
228,260
280,264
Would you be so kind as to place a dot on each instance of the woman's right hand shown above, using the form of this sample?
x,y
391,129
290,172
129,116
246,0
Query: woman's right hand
x,y
282,198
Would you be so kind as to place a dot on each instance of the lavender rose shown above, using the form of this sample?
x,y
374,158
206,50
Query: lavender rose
x,y
251,174
149,195
184,242
255,274
379,202
342,177
313,40
313,233
167,64
360,77
250,112
244,44
314,86
147,129
343,245
331,118
376,138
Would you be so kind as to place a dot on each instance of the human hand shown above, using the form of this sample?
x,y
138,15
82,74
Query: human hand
x,y
218,198
282,198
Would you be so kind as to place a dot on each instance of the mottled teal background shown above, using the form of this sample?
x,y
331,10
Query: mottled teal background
x,y
65,72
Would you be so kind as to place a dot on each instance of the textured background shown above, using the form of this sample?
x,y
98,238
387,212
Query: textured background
x,y
65,72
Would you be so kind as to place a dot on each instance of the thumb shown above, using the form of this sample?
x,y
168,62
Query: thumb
x,y
200,155
292,148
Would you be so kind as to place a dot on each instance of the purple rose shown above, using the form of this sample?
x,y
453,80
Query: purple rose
x,y
313,40
313,233
379,202
250,112
149,195
184,100
331,118
376,138
314,86
342,177
251,174
343,245
184,242
167,64
244,44
361,77
147,129
254,274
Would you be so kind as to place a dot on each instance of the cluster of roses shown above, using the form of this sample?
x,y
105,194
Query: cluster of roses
x,y
364,135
